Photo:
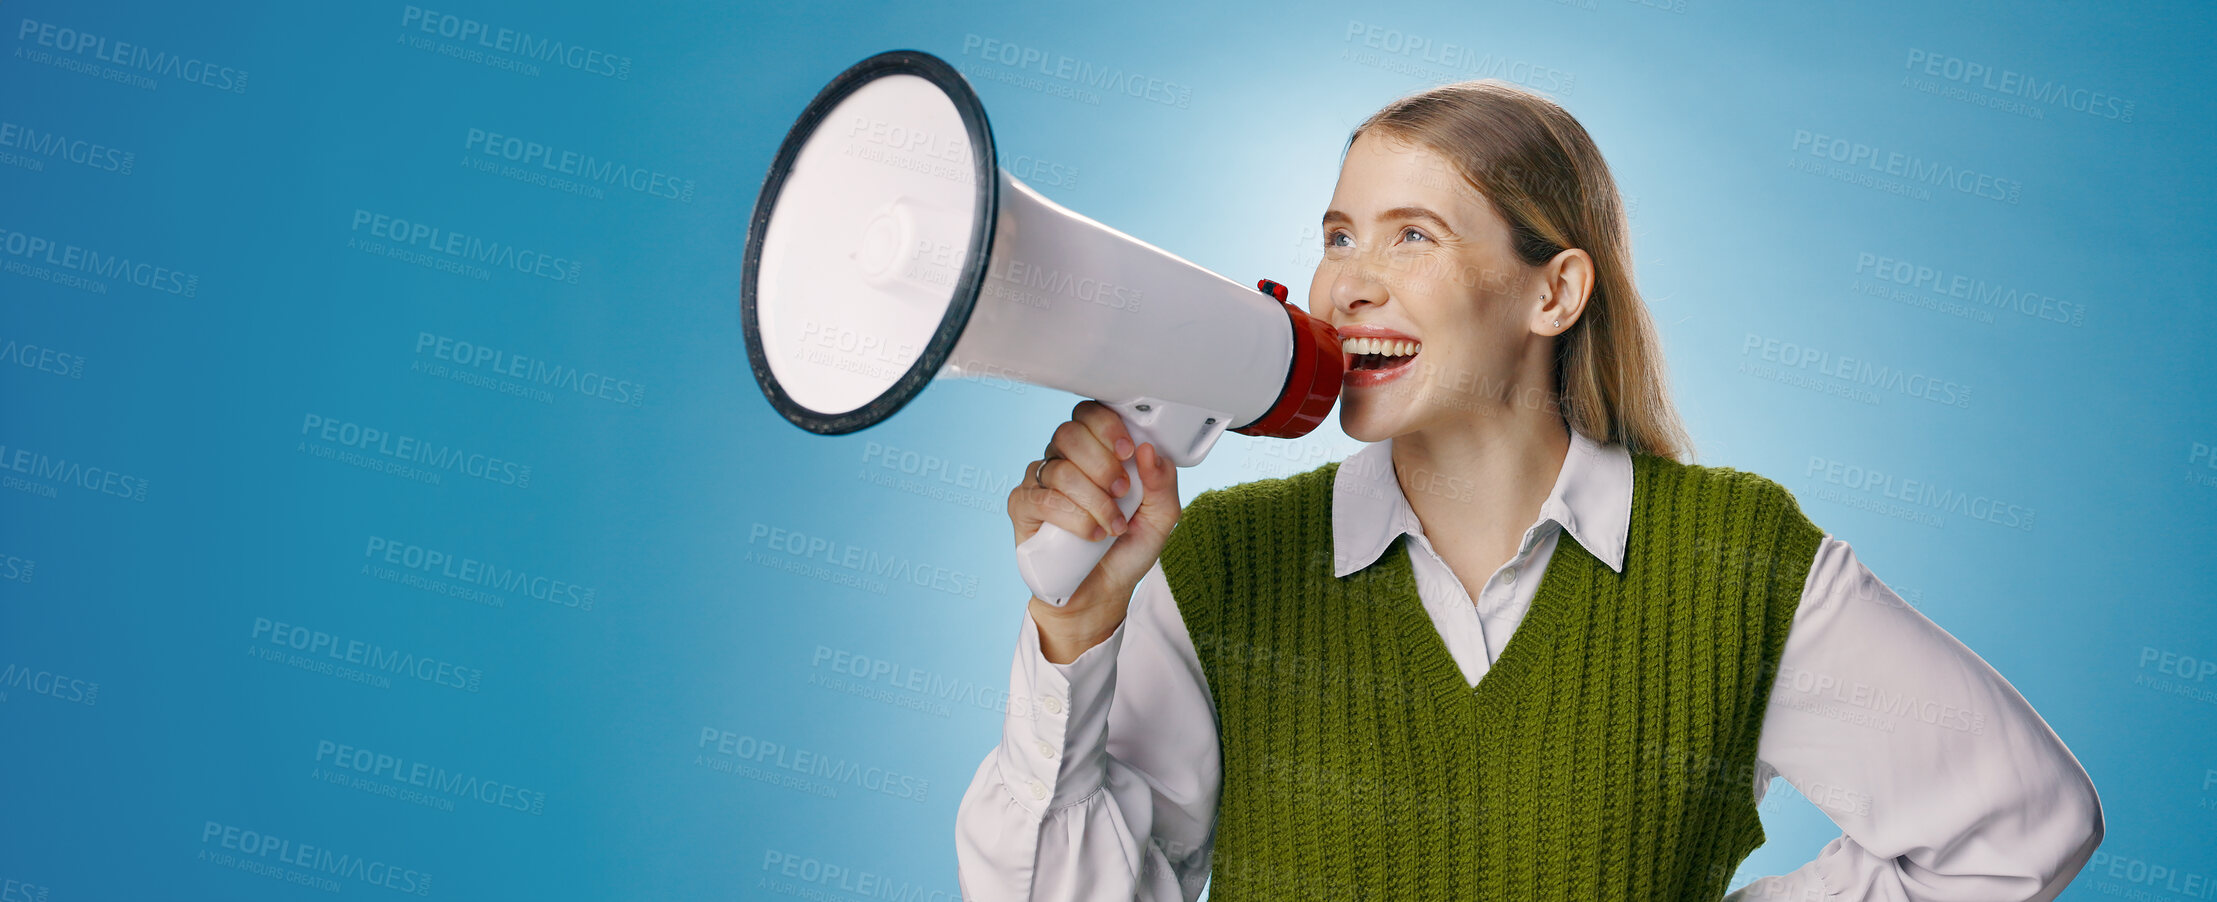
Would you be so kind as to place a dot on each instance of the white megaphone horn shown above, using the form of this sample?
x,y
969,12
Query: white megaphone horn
x,y
889,245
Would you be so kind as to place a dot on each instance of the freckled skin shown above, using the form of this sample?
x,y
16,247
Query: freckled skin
x,y
1458,288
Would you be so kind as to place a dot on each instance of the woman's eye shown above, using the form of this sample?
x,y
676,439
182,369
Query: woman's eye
x,y
1405,233
1335,239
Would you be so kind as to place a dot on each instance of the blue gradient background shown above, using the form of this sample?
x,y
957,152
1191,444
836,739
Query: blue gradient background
x,y
662,507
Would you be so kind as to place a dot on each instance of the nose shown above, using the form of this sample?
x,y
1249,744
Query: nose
x,y
1353,286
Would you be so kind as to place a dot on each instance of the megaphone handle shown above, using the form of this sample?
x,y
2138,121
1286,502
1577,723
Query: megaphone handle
x,y
1054,561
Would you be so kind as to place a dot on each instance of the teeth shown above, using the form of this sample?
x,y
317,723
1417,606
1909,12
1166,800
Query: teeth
x,y
1397,348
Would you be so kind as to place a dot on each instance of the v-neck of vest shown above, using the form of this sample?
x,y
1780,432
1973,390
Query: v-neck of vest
x,y
1569,567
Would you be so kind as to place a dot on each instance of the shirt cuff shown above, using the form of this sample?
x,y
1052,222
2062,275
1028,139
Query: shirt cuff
x,y
1054,742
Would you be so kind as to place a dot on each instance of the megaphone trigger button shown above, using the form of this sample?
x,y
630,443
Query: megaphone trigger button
x,y
1272,289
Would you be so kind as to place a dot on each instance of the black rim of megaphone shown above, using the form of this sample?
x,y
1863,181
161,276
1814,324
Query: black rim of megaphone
x,y
965,298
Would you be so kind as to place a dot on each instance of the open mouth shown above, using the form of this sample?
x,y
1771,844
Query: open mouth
x,y
1379,353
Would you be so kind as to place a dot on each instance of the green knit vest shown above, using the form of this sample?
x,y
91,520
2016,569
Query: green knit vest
x,y
1608,753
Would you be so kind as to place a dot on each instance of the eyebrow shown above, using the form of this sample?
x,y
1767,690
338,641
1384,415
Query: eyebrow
x,y
1404,212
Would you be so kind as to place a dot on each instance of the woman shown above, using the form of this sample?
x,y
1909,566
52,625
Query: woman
x,y
1294,692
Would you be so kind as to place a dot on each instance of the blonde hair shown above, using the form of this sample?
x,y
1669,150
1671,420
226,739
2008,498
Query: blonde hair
x,y
1543,174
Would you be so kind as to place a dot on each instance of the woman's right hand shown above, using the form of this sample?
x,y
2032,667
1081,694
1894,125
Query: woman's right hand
x,y
1083,482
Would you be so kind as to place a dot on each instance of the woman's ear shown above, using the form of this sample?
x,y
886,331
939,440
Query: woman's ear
x,y
1565,283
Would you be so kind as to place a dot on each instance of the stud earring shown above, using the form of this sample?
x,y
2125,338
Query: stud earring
x,y
1558,324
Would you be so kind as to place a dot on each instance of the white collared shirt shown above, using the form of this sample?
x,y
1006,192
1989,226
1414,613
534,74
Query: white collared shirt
x,y
1943,780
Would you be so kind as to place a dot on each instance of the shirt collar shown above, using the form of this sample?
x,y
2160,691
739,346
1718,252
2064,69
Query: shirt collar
x,y
1591,499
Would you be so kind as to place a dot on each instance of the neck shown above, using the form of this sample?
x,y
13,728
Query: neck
x,y
1479,482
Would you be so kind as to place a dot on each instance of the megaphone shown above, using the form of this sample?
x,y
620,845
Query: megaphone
x,y
888,247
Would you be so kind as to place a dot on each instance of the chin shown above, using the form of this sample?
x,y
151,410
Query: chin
x,y
1370,422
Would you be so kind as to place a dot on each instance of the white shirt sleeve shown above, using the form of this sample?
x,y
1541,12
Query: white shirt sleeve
x,y
1104,785
1945,783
